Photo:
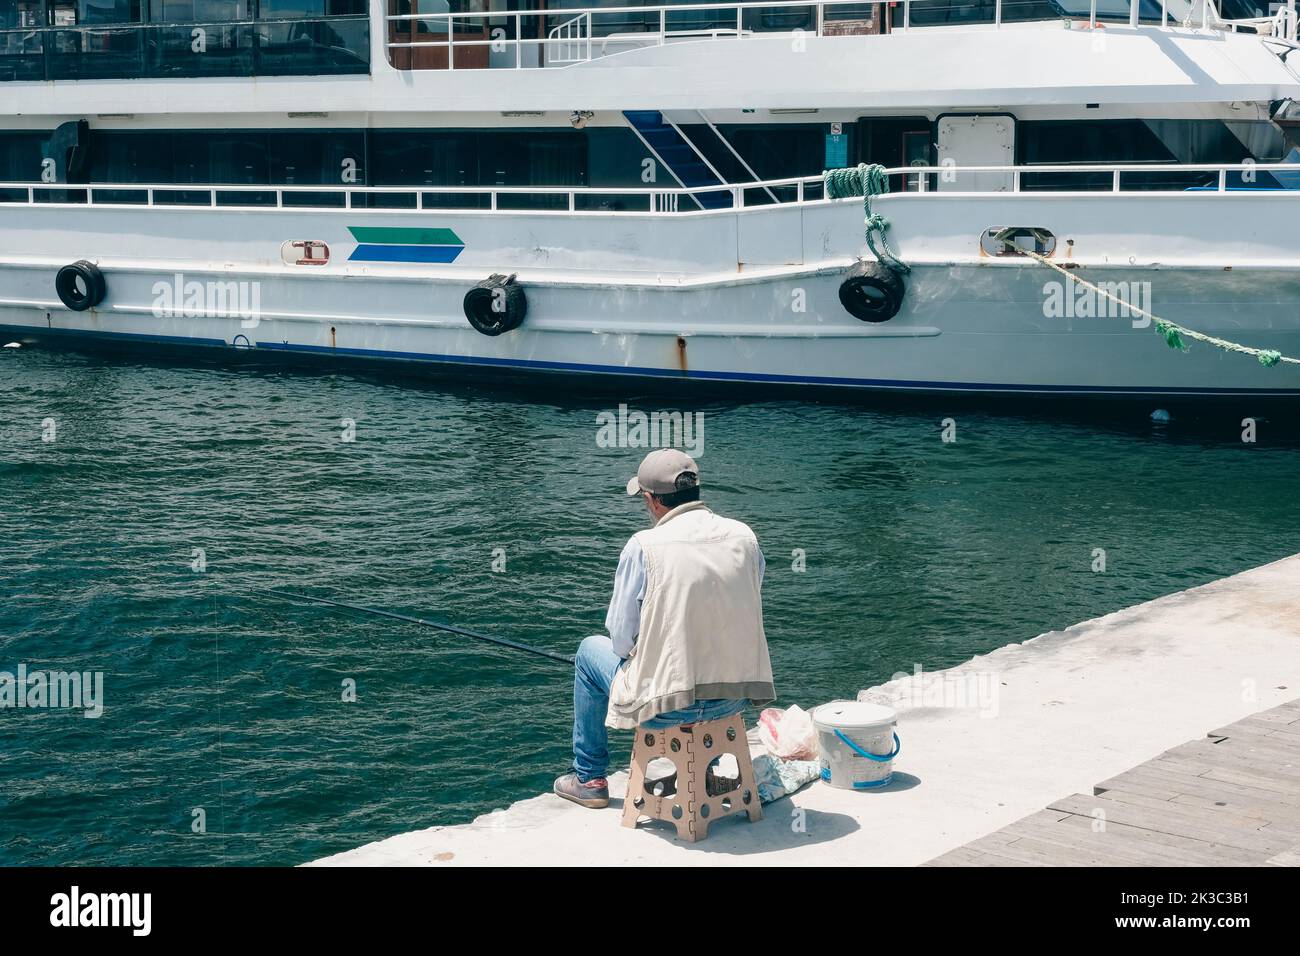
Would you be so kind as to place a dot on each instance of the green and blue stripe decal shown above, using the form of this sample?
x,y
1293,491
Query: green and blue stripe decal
x,y
403,244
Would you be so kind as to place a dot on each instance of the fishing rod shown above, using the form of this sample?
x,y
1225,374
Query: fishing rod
x,y
450,628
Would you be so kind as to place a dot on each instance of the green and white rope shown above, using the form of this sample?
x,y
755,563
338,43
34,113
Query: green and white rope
x,y
1171,332
866,181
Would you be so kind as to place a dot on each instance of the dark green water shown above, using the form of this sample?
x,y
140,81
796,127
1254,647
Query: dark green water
x,y
917,552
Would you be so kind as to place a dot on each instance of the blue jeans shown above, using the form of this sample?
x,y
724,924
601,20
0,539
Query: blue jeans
x,y
593,675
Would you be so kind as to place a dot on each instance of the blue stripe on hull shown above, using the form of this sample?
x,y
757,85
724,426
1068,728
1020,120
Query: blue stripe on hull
x,y
765,378
754,378
191,340
372,252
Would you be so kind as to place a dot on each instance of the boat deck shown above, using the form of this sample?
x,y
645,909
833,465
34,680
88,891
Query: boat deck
x,y
1231,798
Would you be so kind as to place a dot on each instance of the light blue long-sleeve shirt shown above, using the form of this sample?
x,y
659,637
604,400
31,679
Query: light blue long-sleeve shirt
x,y
623,619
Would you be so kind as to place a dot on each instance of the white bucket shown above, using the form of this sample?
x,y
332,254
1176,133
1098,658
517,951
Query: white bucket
x,y
858,744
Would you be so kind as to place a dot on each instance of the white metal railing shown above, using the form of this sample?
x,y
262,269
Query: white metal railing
x,y
795,190
575,39
1281,25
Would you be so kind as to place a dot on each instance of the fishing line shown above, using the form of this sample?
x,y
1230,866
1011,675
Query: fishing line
x,y
449,628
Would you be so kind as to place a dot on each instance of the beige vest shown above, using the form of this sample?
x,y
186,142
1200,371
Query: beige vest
x,y
701,631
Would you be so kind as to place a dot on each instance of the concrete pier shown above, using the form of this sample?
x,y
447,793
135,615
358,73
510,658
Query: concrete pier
x,y
985,744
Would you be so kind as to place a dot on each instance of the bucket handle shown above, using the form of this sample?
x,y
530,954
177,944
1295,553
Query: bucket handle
x,y
898,745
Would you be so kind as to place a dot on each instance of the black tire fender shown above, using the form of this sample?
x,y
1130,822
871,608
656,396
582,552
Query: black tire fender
x,y
80,286
872,292
496,305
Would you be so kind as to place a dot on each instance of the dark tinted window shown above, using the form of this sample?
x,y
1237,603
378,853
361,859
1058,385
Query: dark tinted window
x,y
89,54
302,9
101,11
22,55
1128,142
317,47
105,39
1091,141
937,12
227,49
244,157
473,158
200,11
21,155
20,13
314,158
778,151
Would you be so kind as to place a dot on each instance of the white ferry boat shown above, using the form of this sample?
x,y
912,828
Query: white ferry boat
x,y
641,191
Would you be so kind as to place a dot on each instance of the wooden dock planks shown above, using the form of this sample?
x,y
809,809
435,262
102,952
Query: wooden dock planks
x,y
1231,798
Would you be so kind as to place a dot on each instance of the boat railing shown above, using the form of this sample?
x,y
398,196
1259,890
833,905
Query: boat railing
x,y
1282,25
575,40
528,39
929,180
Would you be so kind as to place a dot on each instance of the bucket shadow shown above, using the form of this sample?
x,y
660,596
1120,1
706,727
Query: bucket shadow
x,y
899,783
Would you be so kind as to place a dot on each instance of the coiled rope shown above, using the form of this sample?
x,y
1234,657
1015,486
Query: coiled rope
x,y
866,180
1172,332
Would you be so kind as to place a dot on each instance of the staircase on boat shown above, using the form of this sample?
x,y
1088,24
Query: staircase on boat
x,y
679,156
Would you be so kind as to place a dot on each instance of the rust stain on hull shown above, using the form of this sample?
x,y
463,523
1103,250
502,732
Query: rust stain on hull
x,y
681,353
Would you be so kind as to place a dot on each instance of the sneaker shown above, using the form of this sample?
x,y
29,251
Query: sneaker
x,y
594,793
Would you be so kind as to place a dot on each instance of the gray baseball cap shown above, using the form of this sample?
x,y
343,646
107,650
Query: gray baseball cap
x,y
664,471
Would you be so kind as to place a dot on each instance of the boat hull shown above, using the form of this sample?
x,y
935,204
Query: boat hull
x,y
745,296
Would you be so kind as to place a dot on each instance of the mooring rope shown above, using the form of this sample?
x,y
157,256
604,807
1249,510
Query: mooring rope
x,y
866,181
1172,332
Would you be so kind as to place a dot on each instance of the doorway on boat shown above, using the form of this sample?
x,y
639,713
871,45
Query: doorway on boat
x,y
894,141
975,139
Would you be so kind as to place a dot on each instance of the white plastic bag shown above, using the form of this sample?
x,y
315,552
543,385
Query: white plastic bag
x,y
788,734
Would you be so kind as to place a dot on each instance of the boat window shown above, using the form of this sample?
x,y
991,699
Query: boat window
x,y
115,39
88,12
333,159
772,150
309,9
245,157
478,158
1186,142
200,11
24,13
940,12
427,26
1111,10
21,154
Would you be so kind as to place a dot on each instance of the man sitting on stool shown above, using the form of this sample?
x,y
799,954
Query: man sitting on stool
x,y
686,641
